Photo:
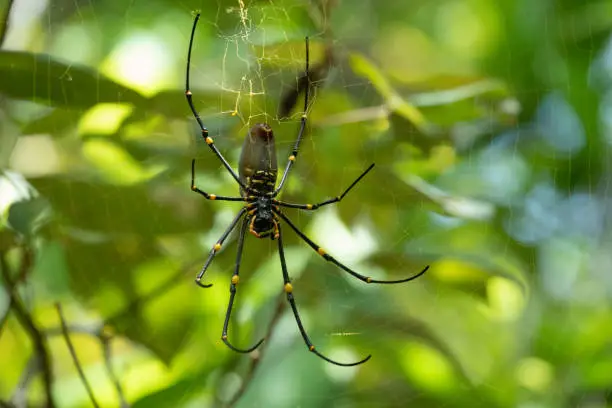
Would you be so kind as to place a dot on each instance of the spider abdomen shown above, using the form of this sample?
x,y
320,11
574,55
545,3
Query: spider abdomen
x,y
257,166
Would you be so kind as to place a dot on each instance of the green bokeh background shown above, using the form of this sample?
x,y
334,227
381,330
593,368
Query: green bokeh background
x,y
489,125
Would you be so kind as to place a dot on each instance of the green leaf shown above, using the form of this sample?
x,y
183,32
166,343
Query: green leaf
x,y
476,244
112,274
41,78
123,209
181,390
55,123
26,217
395,103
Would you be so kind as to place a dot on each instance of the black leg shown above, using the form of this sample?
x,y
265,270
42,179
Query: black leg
x,y
188,95
289,292
296,146
333,260
330,201
204,193
233,284
217,247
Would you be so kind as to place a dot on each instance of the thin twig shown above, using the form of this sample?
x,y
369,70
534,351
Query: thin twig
x,y
106,350
20,395
25,267
4,316
98,332
37,338
4,28
248,378
92,397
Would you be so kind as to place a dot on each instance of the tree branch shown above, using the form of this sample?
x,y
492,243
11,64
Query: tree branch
x,y
4,27
38,340
106,350
258,354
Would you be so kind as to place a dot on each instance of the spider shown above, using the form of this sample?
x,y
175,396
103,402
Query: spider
x,y
261,215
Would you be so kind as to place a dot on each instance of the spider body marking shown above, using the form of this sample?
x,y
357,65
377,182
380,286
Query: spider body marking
x,y
258,171
261,213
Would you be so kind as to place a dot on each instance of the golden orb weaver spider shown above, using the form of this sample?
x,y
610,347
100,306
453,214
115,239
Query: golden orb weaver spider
x,y
257,174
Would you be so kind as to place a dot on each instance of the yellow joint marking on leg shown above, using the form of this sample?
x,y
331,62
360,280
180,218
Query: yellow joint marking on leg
x,y
311,348
188,92
209,140
292,158
235,279
251,197
368,280
304,116
288,288
224,337
193,188
321,251
234,113
217,247
212,196
309,206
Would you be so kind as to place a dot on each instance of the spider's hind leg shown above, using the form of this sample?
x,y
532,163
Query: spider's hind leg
x,y
233,285
289,291
340,265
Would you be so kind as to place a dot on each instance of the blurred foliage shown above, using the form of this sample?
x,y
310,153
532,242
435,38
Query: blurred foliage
x,y
489,125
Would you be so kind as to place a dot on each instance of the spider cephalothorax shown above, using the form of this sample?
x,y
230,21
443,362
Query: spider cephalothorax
x,y
263,222
261,213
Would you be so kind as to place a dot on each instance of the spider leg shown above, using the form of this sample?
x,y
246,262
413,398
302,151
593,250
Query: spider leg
x,y
290,298
217,247
333,260
296,146
233,284
330,201
207,195
189,95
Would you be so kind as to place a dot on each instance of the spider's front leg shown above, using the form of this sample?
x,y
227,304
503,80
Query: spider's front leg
x,y
207,195
330,201
189,95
